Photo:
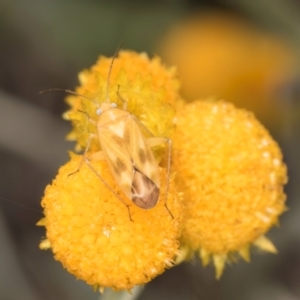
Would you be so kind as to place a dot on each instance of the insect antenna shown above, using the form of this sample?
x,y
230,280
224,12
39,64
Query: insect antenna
x,y
110,69
20,204
69,92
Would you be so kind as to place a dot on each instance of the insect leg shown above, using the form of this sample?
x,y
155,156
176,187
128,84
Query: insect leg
x,y
98,156
88,143
89,118
84,154
122,99
155,141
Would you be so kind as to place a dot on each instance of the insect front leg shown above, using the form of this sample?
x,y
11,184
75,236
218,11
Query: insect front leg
x,y
122,99
88,143
155,141
84,154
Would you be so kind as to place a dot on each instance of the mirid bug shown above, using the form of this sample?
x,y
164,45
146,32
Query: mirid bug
x,y
126,146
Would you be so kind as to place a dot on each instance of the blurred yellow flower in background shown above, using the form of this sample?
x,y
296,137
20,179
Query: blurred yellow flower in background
x,y
224,56
232,175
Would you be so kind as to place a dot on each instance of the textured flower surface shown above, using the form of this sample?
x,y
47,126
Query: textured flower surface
x,y
146,86
90,232
232,175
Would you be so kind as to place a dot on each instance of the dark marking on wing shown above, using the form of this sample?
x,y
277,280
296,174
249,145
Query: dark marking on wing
x,y
119,166
144,191
117,140
142,155
127,135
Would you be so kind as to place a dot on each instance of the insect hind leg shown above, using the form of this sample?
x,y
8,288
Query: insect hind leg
x,y
155,141
87,161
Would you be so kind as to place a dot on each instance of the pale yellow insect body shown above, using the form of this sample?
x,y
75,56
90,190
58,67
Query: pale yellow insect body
x,y
128,154
126,146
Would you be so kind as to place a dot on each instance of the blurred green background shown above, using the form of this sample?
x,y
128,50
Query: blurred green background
x,y
243,51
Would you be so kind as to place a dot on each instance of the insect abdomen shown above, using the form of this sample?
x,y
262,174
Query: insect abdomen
x,y
144,191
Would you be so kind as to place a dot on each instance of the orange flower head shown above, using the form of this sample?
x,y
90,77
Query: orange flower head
x,y
96,238
232,175
145,86
222,55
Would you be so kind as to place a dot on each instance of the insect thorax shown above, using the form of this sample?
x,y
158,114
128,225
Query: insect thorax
x,y
111,115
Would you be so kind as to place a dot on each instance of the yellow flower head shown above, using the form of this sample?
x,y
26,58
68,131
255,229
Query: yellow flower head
x,y
232,175
97,233
228,167
90,232
146,86
223,55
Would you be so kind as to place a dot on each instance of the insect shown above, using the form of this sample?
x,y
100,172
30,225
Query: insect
x,y
126,147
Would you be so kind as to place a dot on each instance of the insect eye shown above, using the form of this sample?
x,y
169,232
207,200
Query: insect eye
x,y
99,111
113,105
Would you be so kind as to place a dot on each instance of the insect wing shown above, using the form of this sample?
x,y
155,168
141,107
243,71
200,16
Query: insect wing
x,y
145,192
130,158
140,152
118,158
145,183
